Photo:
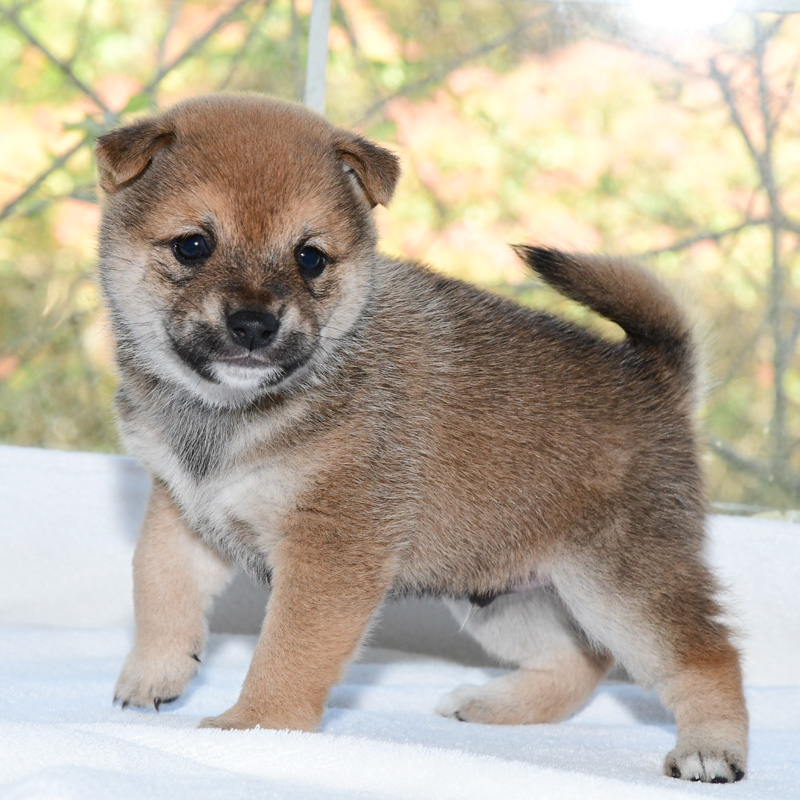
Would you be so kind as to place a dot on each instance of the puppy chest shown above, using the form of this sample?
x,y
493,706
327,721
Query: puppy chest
x,y
240,509
230,494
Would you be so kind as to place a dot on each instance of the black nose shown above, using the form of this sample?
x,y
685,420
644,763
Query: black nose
x,y
252,329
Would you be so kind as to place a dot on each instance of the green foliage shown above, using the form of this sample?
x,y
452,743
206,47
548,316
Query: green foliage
x,y
515,122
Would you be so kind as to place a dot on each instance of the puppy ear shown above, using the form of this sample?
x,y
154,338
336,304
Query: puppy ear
x,y
374,167
124,154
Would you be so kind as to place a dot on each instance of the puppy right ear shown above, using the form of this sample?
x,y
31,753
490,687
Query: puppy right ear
x,y
124,154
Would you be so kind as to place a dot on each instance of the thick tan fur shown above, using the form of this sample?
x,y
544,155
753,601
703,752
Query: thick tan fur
x,y
395,431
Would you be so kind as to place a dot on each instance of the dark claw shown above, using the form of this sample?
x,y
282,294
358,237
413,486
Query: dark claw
x,y
162,701
196,658
124,704
459,717
676,773
738,774
719,779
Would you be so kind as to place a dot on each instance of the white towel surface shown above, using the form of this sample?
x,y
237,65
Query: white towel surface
x,y
67,530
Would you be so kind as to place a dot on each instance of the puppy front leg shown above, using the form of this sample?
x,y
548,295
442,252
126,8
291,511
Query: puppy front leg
x,y
324,595
175,576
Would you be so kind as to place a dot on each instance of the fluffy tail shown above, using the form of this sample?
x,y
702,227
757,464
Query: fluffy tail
x,y
626,294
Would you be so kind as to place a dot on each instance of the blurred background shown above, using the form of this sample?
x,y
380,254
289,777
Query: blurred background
x,y
591,126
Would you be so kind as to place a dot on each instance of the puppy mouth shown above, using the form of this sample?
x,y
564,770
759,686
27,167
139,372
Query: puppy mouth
x,y
249,371
246,369
245,361
246,373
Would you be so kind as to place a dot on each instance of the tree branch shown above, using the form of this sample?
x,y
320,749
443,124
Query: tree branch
x,y
445,69
248,41
297,71
13,17
777,302
172,18
705,236
196,45
789,482
59,162
723,81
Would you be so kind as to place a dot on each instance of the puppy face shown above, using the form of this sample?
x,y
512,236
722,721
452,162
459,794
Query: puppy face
x,y
236,241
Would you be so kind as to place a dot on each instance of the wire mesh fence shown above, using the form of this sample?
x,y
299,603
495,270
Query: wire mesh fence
x,y
569,125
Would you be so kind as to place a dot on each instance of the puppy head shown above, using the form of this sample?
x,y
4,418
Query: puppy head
x,y
237,241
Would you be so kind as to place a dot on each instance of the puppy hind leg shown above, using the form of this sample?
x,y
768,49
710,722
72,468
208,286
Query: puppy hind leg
x,y
557,670
707,699
664,631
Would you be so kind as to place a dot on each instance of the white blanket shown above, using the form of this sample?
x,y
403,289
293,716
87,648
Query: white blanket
x,y
66,535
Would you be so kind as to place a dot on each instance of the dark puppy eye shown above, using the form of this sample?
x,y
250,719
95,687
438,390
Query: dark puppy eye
x,y
190,250
310,261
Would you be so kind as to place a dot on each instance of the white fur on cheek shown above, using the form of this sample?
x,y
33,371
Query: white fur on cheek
x,y
139,315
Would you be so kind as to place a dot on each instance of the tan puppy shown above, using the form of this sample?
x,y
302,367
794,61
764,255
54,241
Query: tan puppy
x,y
351,426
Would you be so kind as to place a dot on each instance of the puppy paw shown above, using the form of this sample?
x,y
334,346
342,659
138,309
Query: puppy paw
x,y
474,704
706,764
242,716
148,680
229,722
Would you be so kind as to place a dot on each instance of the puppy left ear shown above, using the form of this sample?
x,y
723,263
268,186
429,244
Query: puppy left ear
x,y
125,153
375,168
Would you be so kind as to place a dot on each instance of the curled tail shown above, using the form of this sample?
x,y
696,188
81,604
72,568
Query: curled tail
x,y
626,294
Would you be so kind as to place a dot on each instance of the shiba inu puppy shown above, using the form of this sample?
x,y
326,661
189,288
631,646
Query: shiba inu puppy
x,y
346,425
